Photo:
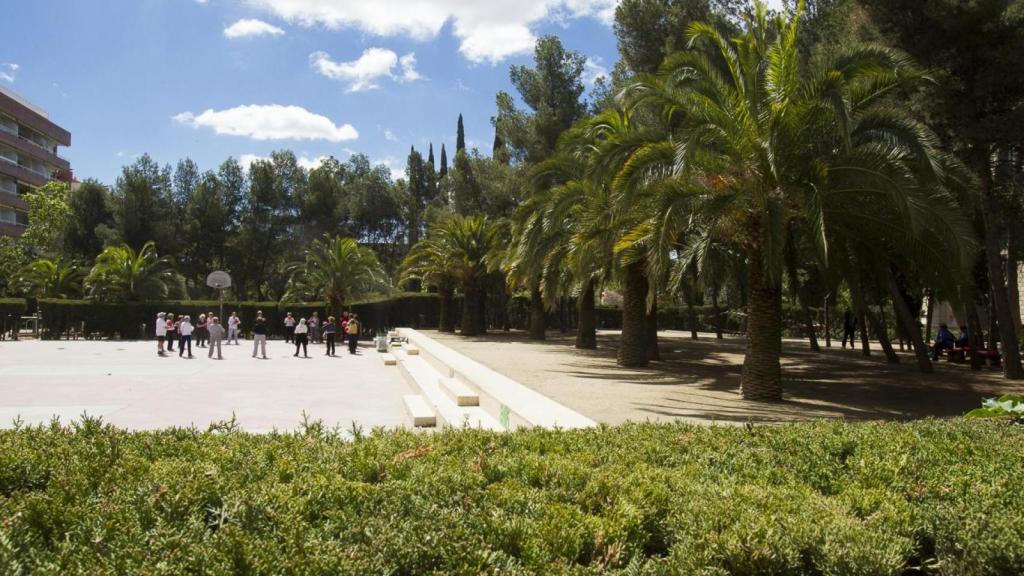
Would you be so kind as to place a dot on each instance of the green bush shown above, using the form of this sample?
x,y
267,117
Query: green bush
x,y
10,310
930,497
133,320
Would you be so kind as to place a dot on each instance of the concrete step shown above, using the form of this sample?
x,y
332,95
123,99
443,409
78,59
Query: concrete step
x,y
461,394
389,359
417,407
412,350
425,378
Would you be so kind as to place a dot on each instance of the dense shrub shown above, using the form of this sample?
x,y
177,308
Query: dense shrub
x,y
131,320
10,310
930,497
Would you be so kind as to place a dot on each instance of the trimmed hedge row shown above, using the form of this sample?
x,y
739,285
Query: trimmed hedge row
x,y
132,320
11,309
826,498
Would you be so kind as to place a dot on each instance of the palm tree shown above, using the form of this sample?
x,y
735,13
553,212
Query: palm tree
x,y
757,146
46,278
471,245
335,269
430,262
122,274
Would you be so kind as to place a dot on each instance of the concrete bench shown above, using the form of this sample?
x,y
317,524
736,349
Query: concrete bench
x,y
422,415
459,392
389,359
412,350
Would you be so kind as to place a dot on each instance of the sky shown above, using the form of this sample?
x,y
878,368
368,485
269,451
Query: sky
x,y
209,79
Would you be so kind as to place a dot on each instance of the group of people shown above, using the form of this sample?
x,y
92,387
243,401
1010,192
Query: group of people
x,y
209,332
944,340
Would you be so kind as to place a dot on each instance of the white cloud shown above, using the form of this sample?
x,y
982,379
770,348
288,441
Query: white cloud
x,y
365,72
306,162
270,122
8,70
592,70
390,136
487,31
251,27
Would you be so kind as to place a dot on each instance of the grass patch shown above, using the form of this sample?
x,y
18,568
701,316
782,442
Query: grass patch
x,y
929,497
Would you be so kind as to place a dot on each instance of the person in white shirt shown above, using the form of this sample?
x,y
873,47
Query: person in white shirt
x,y
185,330
301,337
161,333
289,327
233,324
216,336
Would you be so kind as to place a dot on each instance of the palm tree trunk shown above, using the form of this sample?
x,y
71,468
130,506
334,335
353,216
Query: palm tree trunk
x,y
586,334
632,348
929,315
910,326
878,327
974,334
828,324
762,372
859,310
651,329
445,300
481,308
991,214
716,313
809,325
470,309
538,318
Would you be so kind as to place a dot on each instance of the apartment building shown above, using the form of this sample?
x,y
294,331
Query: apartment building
x,y
29,158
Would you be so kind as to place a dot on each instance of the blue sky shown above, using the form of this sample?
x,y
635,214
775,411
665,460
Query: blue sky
x,y
133,76
208,79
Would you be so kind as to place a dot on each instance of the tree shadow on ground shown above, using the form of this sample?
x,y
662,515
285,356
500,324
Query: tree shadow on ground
x,y
699,380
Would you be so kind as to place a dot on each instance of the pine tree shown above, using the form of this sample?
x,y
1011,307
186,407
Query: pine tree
x,y
444,163
460,137
498,151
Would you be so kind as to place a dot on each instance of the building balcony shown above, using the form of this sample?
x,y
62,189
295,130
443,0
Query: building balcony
x,y
19,172
8,229
14,200
30,148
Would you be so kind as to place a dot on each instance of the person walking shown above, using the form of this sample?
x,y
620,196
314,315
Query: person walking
x,y
849,329
314,328
172,332
352,330
330,331
302,337
161,333
289,327
233,325
185,330
259,336
201,331
216,336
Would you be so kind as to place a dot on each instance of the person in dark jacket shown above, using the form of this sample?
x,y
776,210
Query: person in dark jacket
x,y
943,341
849,328
259,336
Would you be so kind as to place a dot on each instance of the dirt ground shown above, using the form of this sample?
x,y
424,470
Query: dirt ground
x,y
699,380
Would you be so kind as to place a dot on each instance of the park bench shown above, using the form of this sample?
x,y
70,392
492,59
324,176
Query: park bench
x,y
959,355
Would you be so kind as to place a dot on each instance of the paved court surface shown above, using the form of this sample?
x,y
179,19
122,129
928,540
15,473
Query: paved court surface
x,y
130,386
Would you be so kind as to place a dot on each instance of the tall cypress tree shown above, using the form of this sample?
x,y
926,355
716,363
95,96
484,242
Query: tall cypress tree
x,y
460,137
430,155
498,151
444,163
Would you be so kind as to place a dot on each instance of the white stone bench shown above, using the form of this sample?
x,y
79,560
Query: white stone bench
x,y
389,359
412,350
422,415
459,392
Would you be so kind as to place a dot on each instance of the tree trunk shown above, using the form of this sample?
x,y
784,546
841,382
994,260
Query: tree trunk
x,y
974,335
586,334
993,329
691,317
470,309
651,331
910,326
993,262
1013,275
879,328
446,308
538,318
632,347
762,372
481,308
717,315
929,315
860,311
809,325
828,325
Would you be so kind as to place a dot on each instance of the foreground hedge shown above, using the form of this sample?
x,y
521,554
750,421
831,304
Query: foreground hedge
x,y
822,498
